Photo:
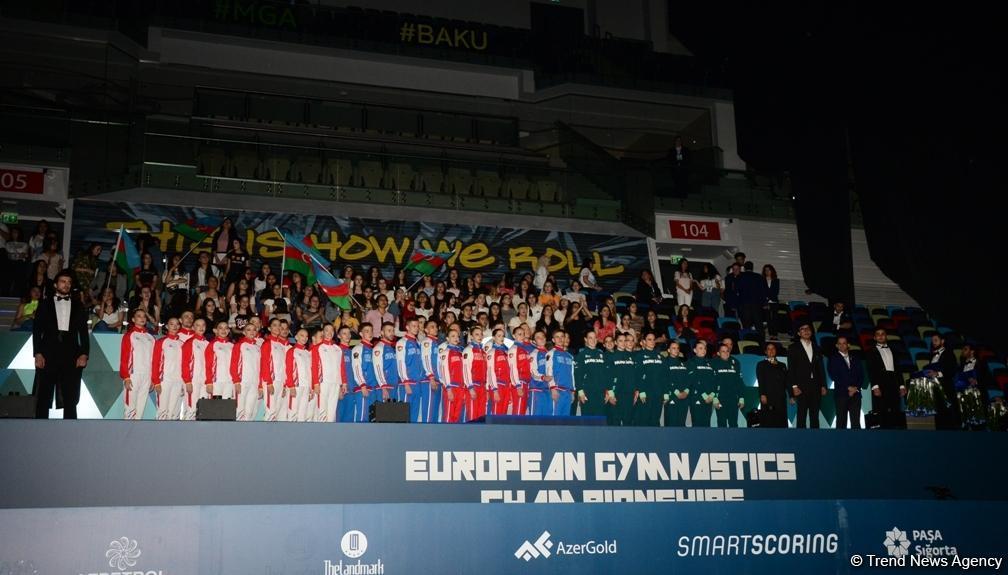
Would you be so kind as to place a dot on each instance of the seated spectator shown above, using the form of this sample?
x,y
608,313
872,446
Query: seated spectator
x,y
588,282
625,329
522,318
547,321
348,319
211,312
605,325
241,316
648,292
380,314
654,325
507,308
636,319
311,316
548,296
199,278
575,293
683,325
25,316
840,322
561,311
110,317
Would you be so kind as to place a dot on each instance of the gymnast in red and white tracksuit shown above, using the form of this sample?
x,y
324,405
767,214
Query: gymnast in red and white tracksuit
x,y
245,360
194,355
329,374
166,372
300,397
272,374
450,369
519,361
499,375
136,356
474,365
218,364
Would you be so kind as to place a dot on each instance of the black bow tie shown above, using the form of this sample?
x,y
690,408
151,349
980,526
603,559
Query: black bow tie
x,y
883,346
62,298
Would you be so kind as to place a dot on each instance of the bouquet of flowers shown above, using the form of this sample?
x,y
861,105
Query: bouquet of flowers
x,y
971,403
924,396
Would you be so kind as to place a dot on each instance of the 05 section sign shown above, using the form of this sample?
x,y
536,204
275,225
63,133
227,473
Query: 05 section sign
x,y
615,260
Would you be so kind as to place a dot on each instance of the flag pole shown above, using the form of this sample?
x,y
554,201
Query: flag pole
x,y
197,244
112,262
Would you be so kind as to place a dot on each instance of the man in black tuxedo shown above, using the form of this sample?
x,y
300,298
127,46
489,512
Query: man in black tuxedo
x,y
750,289
945,368
771,375
886,382
806,378
61,344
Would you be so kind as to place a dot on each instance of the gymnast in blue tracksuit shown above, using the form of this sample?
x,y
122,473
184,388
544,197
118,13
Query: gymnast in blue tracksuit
x,y
539,401
346,403
431,346
366,389
410,365
560,374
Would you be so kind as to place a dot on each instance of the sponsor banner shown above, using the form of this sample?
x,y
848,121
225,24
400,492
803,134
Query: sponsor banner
x,y
616,260
497,465
752,537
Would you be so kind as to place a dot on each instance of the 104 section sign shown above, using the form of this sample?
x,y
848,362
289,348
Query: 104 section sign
x,y
694,230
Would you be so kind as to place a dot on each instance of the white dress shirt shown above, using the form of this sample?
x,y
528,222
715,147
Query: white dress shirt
x,y
936,357
62,314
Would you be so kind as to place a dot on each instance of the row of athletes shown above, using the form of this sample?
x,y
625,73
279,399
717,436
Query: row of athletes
x,y
322,378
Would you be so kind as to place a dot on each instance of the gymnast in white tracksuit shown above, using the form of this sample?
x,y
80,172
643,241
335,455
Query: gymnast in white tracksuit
x,y
135,361
329,374
272,374
166,372
300,397
194,361
218,364
245,361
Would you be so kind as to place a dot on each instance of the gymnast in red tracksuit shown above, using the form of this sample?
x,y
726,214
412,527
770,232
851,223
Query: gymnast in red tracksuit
x,y
474,369
499,375
450,369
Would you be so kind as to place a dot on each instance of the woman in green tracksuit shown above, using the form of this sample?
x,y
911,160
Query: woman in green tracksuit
x,y
625,373
593,376
728,375
677,391
651,384
700,375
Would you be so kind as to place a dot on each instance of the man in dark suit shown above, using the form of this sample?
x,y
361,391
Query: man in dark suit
x,y
975,372
772,376
61,345
944,367
886,382
848,379
806,378
731,290
751,288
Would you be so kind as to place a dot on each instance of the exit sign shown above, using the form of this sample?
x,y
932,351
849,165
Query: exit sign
x,y
694,230
9,217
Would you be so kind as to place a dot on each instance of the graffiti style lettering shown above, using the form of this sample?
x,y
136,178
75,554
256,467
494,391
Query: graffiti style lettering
x,y
397,250
476,256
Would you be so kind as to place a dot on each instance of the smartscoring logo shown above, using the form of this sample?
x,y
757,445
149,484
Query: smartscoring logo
x,y
122,555
354,544
542,547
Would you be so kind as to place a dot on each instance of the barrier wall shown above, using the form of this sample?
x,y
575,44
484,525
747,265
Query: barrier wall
x,y
210,497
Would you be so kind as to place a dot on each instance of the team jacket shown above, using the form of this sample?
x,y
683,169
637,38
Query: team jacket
x,y
328,364
474,365
245,361
499,368
363,367
701,377
218,361
136,355
167,364
654,372
624,372
298,367
678,381
451,366
520,363
591,371
537,365
430,350
194,360
560,366
386,371
728,378
409,360
271,368
186,334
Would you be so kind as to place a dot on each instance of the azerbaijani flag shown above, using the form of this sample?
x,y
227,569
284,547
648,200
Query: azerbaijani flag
x,y
300,256
198,229
427,261
127,257
337,290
